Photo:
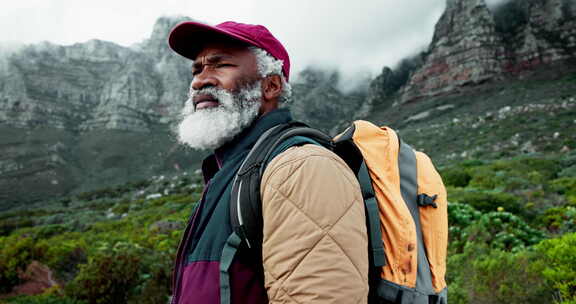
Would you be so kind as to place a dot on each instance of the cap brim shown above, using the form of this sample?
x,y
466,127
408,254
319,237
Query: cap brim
x,y
188,38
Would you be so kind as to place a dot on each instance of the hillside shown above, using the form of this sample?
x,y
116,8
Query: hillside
x,y
536,114
99,192
512,208
512,225
88,115
494,82
95,114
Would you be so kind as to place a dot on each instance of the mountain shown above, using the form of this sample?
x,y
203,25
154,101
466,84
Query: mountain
x,y
318,101
90,114
473,44
494,82
94,85
492,101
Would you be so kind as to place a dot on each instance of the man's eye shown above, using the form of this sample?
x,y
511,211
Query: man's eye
x,y
223,65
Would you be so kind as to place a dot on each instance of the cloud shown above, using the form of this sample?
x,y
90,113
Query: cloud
x,y
351,36
124,22
68,22
360,36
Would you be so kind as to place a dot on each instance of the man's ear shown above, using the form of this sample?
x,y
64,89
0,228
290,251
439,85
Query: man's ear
x,y
271,87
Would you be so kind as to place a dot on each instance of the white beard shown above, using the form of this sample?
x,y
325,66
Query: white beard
x,y
213,127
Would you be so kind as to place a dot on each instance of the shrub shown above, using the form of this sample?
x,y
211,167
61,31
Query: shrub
x,y
16,252
121,208
460,216
11,224
486,178
559,219
487,201
108,277
455,176
23,213
568,172
506,277
559,263
458,270
564,185
544,273
482,275
568,159
504,231
63,254
155,287
46,231
514,174
548,168
110,192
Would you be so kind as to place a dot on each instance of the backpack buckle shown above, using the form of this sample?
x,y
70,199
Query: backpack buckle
x,y
424,200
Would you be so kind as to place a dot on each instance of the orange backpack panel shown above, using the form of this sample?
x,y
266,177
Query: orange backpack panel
x,y
434,220
380,148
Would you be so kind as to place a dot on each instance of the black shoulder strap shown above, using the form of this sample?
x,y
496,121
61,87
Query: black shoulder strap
x,y
245,204
349,152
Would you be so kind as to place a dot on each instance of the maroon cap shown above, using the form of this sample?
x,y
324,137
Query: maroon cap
x,y
188,38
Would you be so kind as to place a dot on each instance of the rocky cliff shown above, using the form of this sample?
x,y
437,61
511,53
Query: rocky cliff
x,y
495,82
84,116
473,44
94,85
79,117
90,114
318,101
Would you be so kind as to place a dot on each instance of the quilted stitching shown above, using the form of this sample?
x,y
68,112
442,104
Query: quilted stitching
x,y
304,154
325,234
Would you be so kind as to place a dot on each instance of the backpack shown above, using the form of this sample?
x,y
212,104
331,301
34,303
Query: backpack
x,y
404,197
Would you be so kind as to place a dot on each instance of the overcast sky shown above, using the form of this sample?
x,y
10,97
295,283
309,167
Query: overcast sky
x,y
352,35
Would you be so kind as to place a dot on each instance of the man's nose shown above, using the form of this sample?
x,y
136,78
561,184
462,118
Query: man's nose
x,y
203,80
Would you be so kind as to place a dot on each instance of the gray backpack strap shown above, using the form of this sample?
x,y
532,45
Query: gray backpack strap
x,y
228,254
409,190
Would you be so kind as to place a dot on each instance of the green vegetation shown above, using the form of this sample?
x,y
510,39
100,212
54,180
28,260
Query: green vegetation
x,y
115,245
512,230
494,120
512,236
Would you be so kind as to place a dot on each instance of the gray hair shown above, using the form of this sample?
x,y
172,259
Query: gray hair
x,y
268,65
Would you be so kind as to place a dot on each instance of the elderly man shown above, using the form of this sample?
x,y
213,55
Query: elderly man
x,y
314,247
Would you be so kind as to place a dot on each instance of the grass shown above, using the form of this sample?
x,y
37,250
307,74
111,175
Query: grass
x,y
502,208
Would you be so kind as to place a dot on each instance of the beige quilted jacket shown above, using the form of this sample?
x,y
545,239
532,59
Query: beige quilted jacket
x,y
315,241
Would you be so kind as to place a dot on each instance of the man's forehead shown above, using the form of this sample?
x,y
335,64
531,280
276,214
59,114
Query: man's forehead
x,y
221,49
212,57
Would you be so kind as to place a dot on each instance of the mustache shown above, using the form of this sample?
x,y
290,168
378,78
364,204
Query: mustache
x,y
211,91
220,95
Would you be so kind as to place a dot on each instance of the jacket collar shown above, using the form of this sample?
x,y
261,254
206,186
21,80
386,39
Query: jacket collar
x,y
243,141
